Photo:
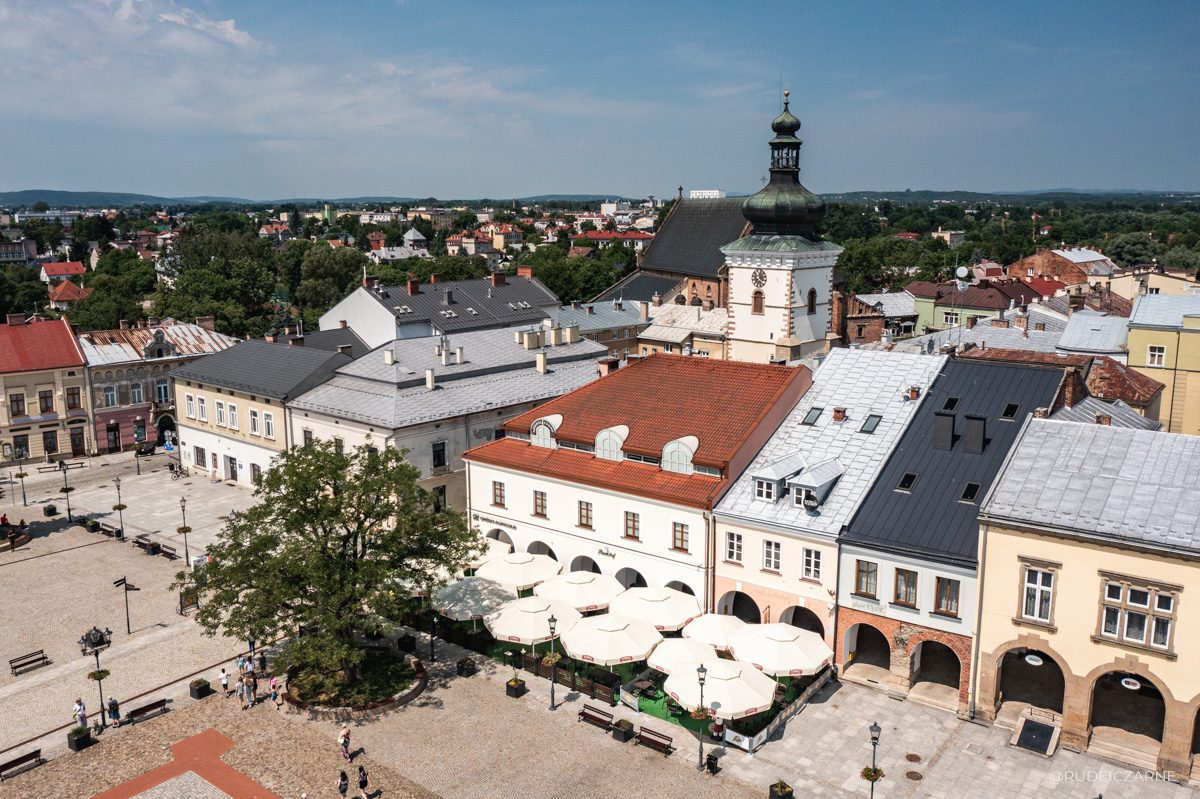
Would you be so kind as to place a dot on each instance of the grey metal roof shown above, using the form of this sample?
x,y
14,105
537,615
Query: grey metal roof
x,y
602,316
455,305
256,367
930,520
864,383
642,287
773,242
691,237
675,323
1087,409
1109,482
983,334
1164,310
1095,332
891,303
328,340
1051,322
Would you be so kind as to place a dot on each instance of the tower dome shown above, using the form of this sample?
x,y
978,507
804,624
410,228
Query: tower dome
x,y
784,206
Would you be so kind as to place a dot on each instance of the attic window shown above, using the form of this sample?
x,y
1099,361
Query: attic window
x,y
907,482
872,422
1010,411
812,416
473,312
950,404
970,492
512,306
764,489
524,304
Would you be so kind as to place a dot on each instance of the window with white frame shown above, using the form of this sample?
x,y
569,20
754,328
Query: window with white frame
x,y
950,317
764,489
1037,603
220,413
162,391
812,564
1156,355
190,404
733,547
110,397
202,409
772,554
254,422
1138,613
135,393
233,420
269,424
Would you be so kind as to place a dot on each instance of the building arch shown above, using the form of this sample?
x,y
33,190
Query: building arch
x,y
679,585
802,617
583,563
631,578
1127,701
867,644
499,535
740,604
540,548
757,302
1022,679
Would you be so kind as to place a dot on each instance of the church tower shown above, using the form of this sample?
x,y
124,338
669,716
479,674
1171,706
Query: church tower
x,y
780,276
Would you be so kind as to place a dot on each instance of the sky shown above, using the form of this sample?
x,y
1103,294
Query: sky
x,y
465,100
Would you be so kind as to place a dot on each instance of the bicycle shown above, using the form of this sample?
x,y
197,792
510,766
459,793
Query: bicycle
x,y
176,471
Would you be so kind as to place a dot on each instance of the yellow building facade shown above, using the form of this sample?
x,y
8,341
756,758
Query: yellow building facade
x,y
1164,344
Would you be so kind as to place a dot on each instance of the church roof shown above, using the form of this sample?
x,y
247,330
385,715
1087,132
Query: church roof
x,y
691,237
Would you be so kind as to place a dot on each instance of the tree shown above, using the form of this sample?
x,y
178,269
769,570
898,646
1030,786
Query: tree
x,y
1182,258
335,543
326,274
1131,249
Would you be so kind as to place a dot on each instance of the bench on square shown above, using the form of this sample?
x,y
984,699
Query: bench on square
x,y
144,543
596,716
145,710
654,740
34,757
110,531
37,658
167,552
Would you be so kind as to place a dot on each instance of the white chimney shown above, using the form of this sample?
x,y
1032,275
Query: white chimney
x,y
430,381
571,334
445,356
542,363
517,336
389,357
556,336
458,355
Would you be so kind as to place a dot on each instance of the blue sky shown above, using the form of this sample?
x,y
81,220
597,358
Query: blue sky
x,y
451,99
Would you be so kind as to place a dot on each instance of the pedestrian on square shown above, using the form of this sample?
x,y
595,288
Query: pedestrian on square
x,y
239,690
241,664
224,679
80,712
362,782
343,784
114,711
344,741
262,661
275,690
253,690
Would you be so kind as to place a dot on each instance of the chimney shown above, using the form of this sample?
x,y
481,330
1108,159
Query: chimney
x,y
1041,413
575,305
607,366
445,356
839,414
656,300
591,309
644,311
517,336
152,321
389,357
15,319
974,430
525,272
618,305
414,286
708,305
1104,419
532,339
205,322
1039,326
1074,303
344,349
434,278
342,324
971,322
556,336
1074,389
541,361
570,334
1021,322
914,392
124,324
430,380
270,338
458,355
296,341
943,430
498,278
448,297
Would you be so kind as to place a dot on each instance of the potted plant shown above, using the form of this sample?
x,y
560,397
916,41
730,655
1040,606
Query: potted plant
x,y
78,738
199,688
781,790
872,774
515,686
93,525
622,730
702,714
50,509
465,667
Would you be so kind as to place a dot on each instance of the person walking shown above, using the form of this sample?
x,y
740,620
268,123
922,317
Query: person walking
x,y
80,712
343,784
241,664
239,690
275,691
344,741
362,782
114,711
253,690
224,680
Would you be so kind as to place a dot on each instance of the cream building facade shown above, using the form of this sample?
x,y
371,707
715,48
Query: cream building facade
x,y
1164,344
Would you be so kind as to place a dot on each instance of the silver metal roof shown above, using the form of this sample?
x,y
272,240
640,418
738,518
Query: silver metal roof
x,y
1087,409
602,316
983,334
1095,332
891,303
1164,310
110,347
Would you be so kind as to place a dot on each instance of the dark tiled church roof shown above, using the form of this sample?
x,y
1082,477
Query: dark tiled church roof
x,y
690,240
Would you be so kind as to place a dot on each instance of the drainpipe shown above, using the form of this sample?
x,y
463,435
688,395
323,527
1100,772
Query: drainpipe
x,y
710,571
287,425
980,570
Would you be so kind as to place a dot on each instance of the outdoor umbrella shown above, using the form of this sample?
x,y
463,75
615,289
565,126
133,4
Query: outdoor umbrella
x,y
610,639
471,598
781,649
581,590
492,548
732,689
665,608
715,629
520,570
668,655
527,621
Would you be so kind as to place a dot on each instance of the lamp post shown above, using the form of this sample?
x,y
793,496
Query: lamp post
x,y
874,730
66,489
553,623
187,561
433,616
701,673
93,642
21,475
120,508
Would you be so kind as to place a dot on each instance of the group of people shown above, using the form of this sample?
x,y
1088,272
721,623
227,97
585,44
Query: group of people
x,y
343,784
79,712
246,686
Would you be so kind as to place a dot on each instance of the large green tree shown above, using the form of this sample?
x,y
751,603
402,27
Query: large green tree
x,y
335,543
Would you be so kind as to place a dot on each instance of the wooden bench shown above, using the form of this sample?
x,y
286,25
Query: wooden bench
x,y
654,740
144,543
34,757
145,710
596,716
167,552
37,658
110,531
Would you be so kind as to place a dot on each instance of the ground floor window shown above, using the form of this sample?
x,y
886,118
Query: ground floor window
x,y
50,442
199,456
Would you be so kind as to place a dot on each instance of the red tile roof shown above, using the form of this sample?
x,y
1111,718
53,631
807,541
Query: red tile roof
x,y
994,295
908,236
612,235
1044,285
63,268
67,291
35,346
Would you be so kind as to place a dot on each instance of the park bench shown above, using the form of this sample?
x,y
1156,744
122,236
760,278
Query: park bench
x,y
168,552
34,757
144,543
24,661
596,716
145,710
110,531
654,740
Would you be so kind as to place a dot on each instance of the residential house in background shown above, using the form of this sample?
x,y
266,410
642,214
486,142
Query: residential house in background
x,y
616,324
953,238
130,371
600,239
233,417
866,318
56,271
944,305
277,232
686,330
23,251
43,382
64,294
437,398
1136,281
1164,345
1070,265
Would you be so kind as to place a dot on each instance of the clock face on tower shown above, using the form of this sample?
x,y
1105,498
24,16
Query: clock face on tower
x,y
759,278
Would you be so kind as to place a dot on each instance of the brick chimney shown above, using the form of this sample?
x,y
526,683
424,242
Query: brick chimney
x,y
1074,390
414,286
839,414
656,300
607,366
296,341
498,278
1103,419
205,322
434,278
342,324
14,319
644,311
525,272
124,324
971,322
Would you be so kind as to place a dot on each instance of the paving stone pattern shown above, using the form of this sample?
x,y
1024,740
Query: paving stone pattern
x,y
185,786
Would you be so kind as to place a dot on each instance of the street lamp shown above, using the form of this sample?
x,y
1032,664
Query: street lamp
x,y
93,642
66,489
874,730
187,561
119,507
701,673
553,623
21,475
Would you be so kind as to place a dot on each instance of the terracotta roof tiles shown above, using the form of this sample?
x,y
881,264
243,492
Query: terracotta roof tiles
x,y
35,346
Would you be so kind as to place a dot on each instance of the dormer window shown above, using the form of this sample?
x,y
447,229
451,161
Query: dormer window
x,y
541,432
677,454
609,442
812,416
764,489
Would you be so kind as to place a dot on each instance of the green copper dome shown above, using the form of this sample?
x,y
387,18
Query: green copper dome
x,y
784,206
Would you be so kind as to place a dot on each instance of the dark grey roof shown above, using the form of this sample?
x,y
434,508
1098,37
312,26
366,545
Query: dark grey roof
x,y
329,341
641,287
474,304
256,367
691,237
930,520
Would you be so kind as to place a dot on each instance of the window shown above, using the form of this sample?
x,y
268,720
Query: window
x,y
202,409
679,537
21,446
269,425
110,396
812,301
308,436
1156,356
73,398
254,422
50,442
439,454
970,492
812,416
539,503
339,446
866,575
871,423
439,498
947,597
585,514
772,554
220,413
1010,411
162,391
190,405
733,547
233,420
756,302
1153,290
45,402
907,482
198,456
950,317
1137,614
498,494
1039,593
950,404
255,473
633,525
812,564
16,404
906,588
764,489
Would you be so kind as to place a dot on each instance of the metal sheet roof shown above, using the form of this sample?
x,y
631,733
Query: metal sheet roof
x,y
1164,310
1087,409
1090,331
891,303
691,237
108,347
256,367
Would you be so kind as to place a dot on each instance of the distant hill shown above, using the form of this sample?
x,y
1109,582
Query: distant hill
x,y
79,199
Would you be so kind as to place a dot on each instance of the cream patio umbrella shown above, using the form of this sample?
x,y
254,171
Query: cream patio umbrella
x,y
527,620
672,652
520,570
732,689
665,608
715,629
471,598
581,590
606,640
781,649
492,548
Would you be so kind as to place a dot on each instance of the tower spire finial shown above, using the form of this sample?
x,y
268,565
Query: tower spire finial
x,y
786,94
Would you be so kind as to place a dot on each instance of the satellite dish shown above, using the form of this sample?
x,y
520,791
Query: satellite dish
x,y
962,271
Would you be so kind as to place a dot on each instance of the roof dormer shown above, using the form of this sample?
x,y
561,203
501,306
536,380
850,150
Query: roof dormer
x,y
815,482
677,454
610,441
769,480
541,432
